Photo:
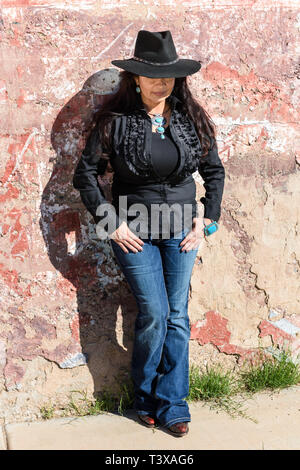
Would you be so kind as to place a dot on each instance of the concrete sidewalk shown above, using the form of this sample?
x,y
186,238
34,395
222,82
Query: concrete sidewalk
x,y
277,427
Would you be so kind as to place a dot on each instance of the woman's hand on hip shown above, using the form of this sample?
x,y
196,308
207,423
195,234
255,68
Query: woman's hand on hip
x,y
195,236
124,237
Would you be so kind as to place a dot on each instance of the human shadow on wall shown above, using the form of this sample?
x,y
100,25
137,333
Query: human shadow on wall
x,y
106,308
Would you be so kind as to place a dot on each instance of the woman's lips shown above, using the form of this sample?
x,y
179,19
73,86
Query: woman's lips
x,y
160,93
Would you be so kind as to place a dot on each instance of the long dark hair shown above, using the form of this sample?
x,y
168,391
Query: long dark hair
x,y
125,101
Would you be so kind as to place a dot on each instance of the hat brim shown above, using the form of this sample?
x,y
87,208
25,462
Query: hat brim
x,y
182,68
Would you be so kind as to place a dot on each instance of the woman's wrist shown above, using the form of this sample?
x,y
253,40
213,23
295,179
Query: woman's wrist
x,y
207,221
202,220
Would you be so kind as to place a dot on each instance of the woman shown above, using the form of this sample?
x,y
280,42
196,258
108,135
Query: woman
x,y
155,135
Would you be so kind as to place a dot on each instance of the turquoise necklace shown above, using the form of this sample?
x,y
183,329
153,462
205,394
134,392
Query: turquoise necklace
x,y
159,121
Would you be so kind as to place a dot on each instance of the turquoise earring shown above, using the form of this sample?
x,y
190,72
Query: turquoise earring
x,y
138,90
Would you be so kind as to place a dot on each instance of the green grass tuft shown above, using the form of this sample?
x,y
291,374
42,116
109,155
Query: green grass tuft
x,y
209,384
47,411
216,387
271,373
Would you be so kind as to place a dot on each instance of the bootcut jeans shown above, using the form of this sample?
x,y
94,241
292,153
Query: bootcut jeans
x,y
159,278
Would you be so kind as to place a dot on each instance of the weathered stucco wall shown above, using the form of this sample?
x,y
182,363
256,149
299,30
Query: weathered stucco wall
x,y
63,298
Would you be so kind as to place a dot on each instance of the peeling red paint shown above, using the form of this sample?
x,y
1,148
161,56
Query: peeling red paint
x,y
22,347
213,330
62,351
64,286
13,374
75,328
19,247
9,166
11,193
266,328
11,279
17,235
15,150
10,276
25,347
43,328
21,98
281,337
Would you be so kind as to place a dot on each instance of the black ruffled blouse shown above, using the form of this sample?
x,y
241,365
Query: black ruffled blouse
x,y
151,171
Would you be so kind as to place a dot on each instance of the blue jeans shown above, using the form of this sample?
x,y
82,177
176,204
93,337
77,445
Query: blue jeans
x,y
159,278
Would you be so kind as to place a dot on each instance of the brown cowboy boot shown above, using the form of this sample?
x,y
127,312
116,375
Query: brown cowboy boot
x,y
179,429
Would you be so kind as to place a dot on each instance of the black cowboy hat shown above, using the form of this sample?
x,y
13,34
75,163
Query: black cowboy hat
x,y
155,56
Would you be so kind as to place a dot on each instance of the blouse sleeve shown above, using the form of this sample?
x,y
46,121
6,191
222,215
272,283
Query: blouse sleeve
x,y
212,172
90,165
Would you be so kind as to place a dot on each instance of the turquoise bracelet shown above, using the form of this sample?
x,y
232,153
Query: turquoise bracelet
x,y
211,228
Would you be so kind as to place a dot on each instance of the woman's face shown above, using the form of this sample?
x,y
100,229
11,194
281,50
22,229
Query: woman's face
x,y
155,89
